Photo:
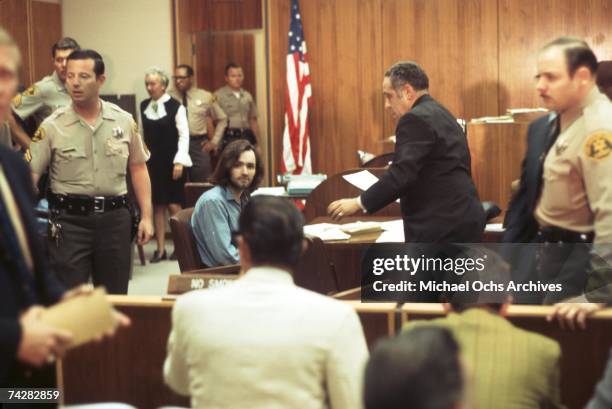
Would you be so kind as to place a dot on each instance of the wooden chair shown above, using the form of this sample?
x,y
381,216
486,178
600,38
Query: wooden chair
x,y
193,191
315,271
184,241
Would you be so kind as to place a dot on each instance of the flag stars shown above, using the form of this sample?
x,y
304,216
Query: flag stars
x,y
298,38
290,33
297,16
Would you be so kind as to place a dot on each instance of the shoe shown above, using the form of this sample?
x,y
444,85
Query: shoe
x,y
157,257
173,256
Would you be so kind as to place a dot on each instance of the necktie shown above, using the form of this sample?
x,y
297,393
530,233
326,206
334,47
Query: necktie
x,y
12,255
185,101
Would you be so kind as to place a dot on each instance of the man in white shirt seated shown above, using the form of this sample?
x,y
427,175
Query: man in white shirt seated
x,y
262,342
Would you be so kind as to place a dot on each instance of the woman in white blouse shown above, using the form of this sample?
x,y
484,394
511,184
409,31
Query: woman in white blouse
x,y
166,133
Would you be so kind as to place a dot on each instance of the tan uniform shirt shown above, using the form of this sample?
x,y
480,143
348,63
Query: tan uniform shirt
x,y
239,109
201,105
5,134
42,98
577,189
86,160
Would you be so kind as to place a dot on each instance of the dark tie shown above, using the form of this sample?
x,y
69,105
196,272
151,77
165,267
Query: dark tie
x,y
551,137
12,256
185,101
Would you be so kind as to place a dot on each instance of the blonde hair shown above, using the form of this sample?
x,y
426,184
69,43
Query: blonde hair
x,y
7,41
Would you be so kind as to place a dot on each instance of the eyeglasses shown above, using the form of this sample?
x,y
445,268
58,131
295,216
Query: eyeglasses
x,y
180,77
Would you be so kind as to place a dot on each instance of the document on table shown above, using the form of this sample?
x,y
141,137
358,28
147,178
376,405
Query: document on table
x,y
326,231
495,227
393,232
361,180
85,316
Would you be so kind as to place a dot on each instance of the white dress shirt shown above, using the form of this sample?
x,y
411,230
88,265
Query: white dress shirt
x,y
182,154
262,342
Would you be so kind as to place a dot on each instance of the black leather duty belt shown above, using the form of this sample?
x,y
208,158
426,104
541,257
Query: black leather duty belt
x,y
551,234
86,205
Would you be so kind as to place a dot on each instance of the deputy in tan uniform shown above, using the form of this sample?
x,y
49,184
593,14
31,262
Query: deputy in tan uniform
x,y
202,111
45,96
88,147
239,106
575,206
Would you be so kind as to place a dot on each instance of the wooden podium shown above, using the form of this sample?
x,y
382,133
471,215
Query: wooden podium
x,y
497,152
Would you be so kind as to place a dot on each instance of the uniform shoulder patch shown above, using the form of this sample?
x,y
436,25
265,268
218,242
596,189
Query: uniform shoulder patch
x,y
598,146
28,155
33,90
39,135
17,100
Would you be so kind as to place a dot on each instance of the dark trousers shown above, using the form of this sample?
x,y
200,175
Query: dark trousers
x,y
201,169
566,264
234,134
96,246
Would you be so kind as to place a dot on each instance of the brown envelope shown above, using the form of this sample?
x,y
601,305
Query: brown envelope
x,y
85,317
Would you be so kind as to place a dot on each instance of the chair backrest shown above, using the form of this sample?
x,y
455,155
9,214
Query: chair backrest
x,y
193,191
334,188
315,271
184,241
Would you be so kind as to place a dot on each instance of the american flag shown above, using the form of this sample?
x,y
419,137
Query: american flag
x,y
296,138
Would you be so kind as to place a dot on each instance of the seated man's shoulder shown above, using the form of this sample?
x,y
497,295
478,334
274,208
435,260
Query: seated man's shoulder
x,y
543,346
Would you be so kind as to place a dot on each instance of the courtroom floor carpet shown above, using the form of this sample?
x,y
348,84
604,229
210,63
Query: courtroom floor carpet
x,y
152,279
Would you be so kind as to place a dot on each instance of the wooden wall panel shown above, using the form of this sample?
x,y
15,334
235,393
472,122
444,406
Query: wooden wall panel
x,y
14,19
224,15
456,44
214,51
344,43
526,25
46,24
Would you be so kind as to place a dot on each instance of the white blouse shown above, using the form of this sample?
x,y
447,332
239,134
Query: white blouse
x,y
182,154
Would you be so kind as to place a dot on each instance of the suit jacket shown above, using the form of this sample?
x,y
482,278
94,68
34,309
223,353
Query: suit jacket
x,y
263,342
12,301
602,399
521,226
431,175
511,368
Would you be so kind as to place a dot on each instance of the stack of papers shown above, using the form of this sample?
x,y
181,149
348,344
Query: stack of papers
x,y
360,227
326,231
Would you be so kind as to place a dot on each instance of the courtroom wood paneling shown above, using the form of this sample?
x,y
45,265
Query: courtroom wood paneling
x,y
456,44
215,50
225,15
126,368
46,26
526,25
497,151
14,19
344,42
182,32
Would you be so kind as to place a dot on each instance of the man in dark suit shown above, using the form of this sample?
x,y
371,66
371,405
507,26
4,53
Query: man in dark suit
x,y
430,172
25,281
520,224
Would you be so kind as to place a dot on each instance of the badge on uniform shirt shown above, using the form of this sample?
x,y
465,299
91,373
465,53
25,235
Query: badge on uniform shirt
x,y
561,146
198,102
39,135
118,132
599,145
